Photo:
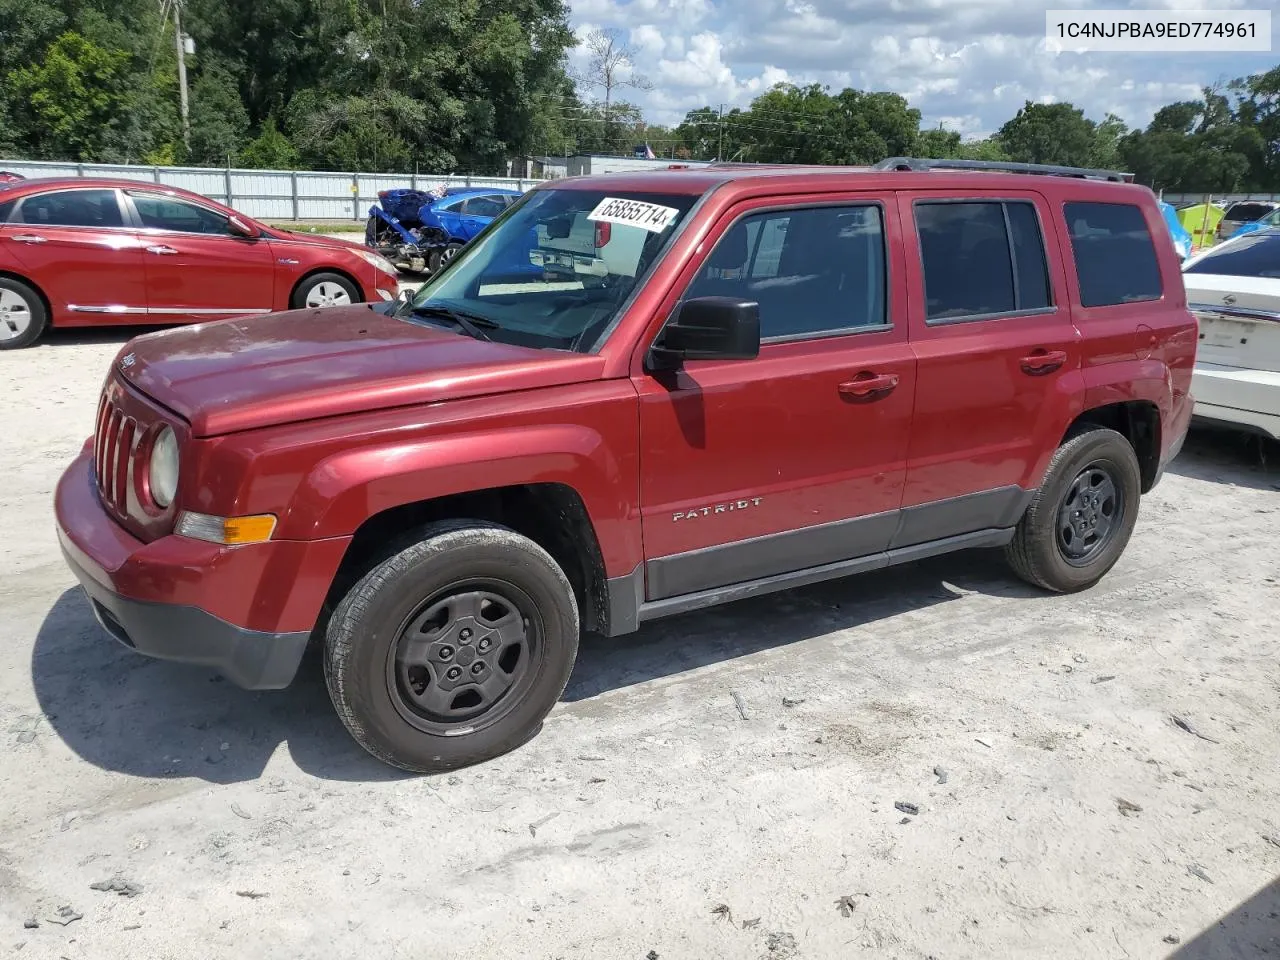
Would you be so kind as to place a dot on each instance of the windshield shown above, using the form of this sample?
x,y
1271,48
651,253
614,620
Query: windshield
x,y
1253,255
555,269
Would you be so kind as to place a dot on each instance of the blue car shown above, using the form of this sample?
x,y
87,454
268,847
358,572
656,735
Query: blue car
x,y
419,230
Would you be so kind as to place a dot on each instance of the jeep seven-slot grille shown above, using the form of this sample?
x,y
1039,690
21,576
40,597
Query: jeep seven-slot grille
x,y
115,438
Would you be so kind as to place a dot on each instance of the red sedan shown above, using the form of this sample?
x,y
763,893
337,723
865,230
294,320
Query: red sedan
x,y
79,252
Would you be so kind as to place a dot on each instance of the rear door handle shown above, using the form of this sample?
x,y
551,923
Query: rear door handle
x,y
869,386
28,238
162,251
1043,361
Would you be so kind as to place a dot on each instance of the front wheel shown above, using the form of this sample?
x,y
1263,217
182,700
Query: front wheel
x,y
1081,518
325,290
454,650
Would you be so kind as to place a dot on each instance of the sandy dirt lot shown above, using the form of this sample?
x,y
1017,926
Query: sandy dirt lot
x,y
1056,809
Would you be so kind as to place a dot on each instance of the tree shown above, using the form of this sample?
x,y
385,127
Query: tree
x,y
270,150
611,67
219,121
1055,133
75,104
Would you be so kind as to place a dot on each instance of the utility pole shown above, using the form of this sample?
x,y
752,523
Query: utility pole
x,y
182,71
720,152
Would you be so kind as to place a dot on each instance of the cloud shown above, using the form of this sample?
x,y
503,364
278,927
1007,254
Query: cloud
x,y
969,64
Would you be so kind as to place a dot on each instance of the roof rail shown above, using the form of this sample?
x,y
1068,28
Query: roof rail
x,y
995,166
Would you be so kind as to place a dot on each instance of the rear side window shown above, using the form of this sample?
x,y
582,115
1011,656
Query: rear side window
x,y
1253,255
1114,253
981,259
71,208
6,210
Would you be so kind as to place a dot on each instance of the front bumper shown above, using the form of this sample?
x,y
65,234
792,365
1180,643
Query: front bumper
x,y
248,658
159,598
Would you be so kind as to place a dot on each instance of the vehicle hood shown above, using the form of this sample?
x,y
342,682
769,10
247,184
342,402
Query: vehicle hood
x,y
233,375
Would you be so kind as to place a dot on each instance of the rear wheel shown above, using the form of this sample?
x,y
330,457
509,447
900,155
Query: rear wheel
x,y
1082,517
454,650
23,317
325,290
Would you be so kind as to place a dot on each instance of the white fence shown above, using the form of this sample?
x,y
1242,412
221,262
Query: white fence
x,y
271,194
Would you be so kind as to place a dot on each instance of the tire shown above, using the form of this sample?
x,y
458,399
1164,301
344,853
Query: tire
x,y
322,290
1065,552
23,318
431,603
448,253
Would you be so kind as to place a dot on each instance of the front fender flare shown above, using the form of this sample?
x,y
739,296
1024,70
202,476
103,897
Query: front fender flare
x,y
346,489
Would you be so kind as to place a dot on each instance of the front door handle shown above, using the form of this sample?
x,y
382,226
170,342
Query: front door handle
x,y
869,386
1043,361
162,251
28,238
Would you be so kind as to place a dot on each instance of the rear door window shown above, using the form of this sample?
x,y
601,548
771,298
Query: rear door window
x,y
981,259
1253,255
484,206
1114,253
71,208
166,213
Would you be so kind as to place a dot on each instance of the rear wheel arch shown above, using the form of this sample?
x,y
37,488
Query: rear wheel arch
x,y
1138,421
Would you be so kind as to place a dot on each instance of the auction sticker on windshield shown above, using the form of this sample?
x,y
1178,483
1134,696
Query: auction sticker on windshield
x,y
634,213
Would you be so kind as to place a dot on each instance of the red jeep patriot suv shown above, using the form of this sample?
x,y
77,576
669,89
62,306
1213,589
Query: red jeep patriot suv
x,y
633,396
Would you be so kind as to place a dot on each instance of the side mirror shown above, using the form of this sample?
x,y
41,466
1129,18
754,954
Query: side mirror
x,y
559,228
709,328
242,229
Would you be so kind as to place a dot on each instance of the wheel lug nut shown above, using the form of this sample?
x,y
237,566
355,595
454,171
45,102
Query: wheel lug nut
x,y
465,634
454,673
446,653
485,643
477,668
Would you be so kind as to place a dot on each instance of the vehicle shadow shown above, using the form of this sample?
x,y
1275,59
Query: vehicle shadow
x,y
1250,931
128,713
125,712
1229,456
687,642
85,336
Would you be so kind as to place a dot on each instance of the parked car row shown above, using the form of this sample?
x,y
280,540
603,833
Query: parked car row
x,y
81,252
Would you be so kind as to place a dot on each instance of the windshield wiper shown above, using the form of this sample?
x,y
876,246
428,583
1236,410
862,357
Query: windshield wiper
x,y
469,323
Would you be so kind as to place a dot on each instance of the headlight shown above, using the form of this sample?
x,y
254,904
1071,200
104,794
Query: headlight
x,y
162,476
379,262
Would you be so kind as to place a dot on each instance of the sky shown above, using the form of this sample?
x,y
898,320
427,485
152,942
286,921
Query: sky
x,y
967,64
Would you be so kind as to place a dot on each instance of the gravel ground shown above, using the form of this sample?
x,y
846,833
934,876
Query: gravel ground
x,y
932,761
